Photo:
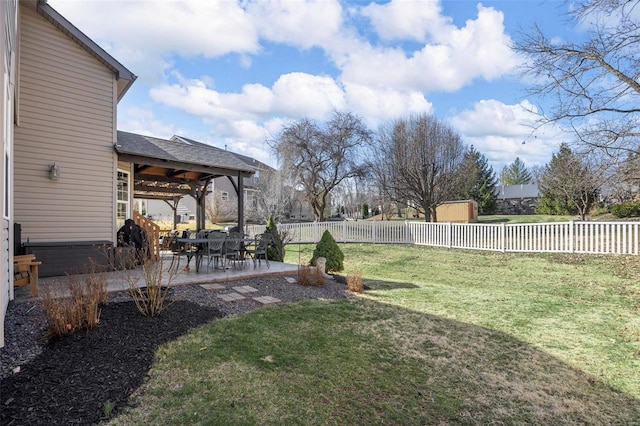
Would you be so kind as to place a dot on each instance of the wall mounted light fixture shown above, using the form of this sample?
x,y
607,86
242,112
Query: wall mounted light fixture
x,y
54,172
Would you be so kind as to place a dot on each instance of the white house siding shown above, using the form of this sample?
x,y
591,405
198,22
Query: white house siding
x,y
8,47
67,117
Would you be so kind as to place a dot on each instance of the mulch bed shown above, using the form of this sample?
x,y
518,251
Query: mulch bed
x,y
70,382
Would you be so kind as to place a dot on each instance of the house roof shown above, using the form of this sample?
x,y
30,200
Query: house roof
x,y
124,77
529,190
186,152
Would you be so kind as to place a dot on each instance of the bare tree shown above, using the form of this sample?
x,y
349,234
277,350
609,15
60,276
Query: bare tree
x,y
274,196
320,157
218,209
418,159
593,86
573,180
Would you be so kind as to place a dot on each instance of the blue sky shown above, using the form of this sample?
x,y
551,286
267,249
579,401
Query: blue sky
x,y
233,73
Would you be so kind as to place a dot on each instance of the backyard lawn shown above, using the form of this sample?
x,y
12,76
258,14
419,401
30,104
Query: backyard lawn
x,y
440,337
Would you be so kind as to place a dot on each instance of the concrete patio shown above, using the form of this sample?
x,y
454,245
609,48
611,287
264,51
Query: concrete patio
x,y
120,280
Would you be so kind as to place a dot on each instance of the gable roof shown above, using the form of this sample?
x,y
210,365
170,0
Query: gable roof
x,y
184,152
124,77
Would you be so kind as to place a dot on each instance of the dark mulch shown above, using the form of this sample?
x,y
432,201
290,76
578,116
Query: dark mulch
x,y
70,382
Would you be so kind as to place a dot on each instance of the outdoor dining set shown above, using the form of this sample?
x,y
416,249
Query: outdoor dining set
x,y
219,249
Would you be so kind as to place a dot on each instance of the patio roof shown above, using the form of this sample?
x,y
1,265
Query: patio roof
x,y
166,169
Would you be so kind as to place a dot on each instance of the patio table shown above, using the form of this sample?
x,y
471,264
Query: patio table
x,y
201,244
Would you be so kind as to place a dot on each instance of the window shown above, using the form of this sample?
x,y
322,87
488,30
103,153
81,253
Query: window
x,y
122,194
224,196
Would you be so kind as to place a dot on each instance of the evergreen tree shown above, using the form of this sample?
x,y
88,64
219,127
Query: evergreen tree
x,y
515,173
275,249
329,249
569,184
478,181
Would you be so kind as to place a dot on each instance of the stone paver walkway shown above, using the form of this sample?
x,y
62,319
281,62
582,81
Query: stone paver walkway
x,y
237,292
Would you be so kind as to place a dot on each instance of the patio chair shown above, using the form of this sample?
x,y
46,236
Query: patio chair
x,y
179,250
215,249
233,250
259,250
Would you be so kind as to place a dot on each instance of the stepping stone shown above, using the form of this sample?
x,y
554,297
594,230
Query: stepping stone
x,y
265,300
231,297
213,286
243,289
291,280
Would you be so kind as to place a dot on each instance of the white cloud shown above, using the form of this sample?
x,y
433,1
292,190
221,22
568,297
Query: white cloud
x,y
454,58
143,121
406,20
503,132
140,33
305,95
494,117
304,23
380,105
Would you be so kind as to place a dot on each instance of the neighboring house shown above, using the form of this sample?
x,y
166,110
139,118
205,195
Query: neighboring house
x,y
301,210
517,199
68,178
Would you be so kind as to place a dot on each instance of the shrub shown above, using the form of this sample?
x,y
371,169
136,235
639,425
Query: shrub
x,y
328,248
275,250
310,277
78,306
354,282
626,209
152,298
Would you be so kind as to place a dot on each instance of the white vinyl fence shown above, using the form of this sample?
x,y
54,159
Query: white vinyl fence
x,y
557,237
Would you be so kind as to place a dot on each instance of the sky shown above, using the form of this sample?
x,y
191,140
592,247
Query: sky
x,y
233,73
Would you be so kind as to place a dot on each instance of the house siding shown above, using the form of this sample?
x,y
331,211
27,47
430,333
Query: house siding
x,y
67,117
8,55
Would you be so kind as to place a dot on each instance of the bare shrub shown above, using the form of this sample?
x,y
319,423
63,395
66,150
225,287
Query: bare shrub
x,y
152,297
320,280
75,306
304,275
310,276
354,282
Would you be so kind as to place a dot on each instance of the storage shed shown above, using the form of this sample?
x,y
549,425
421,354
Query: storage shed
x,y
457,211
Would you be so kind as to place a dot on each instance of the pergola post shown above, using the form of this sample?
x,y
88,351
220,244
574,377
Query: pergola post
x,y
240,202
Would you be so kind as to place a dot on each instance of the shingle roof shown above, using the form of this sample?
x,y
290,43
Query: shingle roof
x,y
251,162
529,190
181,150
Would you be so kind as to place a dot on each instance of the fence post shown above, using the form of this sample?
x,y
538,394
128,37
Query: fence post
x,y
449,236
571,248
373,231
406,232
344,231
503,243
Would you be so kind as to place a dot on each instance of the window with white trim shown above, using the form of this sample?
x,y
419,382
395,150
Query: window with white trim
x,y
224,196
122,198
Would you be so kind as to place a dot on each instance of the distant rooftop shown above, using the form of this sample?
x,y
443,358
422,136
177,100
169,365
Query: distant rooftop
x,y
529,190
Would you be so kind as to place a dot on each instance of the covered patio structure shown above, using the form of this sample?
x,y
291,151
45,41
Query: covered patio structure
x,y
171,169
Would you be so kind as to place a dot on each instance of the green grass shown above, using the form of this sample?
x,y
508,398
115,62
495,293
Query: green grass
x,y
440,337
